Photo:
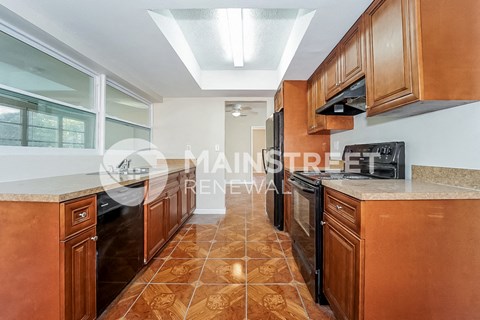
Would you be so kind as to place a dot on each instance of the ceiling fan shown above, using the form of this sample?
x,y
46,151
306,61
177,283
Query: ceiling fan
x,y
238,110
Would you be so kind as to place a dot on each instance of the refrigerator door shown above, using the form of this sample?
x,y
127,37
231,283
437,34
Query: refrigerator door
x,y
273,163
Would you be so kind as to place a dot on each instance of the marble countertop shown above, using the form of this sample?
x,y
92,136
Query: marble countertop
x,y
399,190
63,188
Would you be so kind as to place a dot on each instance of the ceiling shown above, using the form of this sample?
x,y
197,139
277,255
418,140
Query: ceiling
x,y
121,39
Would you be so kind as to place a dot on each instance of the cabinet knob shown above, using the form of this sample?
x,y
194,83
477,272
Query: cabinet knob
x,y
94,238
338,207
323,223
83,214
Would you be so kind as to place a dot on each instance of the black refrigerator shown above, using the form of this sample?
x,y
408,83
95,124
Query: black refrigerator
x,y
273,166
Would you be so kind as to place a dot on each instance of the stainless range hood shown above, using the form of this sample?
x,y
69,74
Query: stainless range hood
x,y
349,102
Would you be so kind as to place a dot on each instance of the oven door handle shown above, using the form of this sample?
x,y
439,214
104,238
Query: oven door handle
x,y
301,187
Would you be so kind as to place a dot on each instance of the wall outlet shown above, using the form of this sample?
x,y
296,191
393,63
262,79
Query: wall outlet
x,y
189,147
217,147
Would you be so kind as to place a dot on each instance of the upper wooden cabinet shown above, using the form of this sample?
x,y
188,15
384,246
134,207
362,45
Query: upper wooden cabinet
x,y
352,55
421,54
346,63
332,76
316,98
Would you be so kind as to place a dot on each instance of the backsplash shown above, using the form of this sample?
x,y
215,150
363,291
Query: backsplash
x,y
467,178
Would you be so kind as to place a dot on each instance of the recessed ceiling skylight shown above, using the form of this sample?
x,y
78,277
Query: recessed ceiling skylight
x,y
213,41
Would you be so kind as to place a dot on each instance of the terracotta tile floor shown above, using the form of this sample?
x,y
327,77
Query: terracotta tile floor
x,y
234,266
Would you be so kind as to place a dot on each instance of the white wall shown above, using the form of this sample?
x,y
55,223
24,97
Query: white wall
x,y
238,141
199,123
446,138
31,165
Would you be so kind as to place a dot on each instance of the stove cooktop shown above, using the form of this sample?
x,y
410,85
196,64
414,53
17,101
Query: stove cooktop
x,y
315,177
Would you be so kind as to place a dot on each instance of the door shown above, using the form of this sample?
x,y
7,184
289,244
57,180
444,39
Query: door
x,y
392,77
155,227
80,275
341,269
332,74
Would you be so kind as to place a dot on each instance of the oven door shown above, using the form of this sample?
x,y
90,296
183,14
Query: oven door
x,y
306,234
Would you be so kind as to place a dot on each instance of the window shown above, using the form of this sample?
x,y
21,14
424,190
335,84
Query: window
x,y
121,106
116,131
126,118
28,69
27,121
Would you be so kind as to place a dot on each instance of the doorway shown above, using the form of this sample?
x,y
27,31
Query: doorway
x,y
257,143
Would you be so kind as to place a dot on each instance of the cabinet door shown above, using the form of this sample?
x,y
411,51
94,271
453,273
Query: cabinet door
x,y
80,275
392,75
191,193
352,58
331,75
341,269
155,230
174,203
184,196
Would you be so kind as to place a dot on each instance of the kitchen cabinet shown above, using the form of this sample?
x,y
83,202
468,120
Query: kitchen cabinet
x,y
332,77
416,62
174,206
296,137
341,267
184,196
419,252
155,226
352,55
316,98
79,274
191,192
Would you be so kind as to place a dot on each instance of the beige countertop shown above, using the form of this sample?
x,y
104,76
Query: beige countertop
x,y
399,190
63,188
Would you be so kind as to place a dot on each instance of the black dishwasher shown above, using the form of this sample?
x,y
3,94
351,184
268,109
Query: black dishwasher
x,y
120,241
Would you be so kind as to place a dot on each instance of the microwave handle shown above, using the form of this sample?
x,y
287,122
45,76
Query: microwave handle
x,y
299,186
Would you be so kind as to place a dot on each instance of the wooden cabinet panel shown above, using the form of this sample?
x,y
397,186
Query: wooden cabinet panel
x,y
311,104
191,192
155,227
331,76
341,269
392,75
345,209
173,212
80,276
184,202
77,215
352,55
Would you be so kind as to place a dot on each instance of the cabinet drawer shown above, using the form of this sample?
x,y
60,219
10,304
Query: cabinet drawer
x,y
77,215
344,208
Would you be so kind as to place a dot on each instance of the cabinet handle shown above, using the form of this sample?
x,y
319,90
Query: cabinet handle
x,y
323,223
338,207
83,214
94,238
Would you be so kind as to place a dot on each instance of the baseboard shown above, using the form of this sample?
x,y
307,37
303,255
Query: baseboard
x,y
210,211
237,182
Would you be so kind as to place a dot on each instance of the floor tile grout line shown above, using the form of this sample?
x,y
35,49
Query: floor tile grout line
x,y
295,283
199,277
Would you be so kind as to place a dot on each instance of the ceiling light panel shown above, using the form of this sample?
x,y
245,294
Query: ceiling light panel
x,y
265,35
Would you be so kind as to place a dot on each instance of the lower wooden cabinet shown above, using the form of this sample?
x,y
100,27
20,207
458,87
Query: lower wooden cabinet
x,y
341,269
174,198
155,226
191,192
79,276
184,196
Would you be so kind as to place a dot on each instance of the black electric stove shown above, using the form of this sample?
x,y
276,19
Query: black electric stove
x,y
362,161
